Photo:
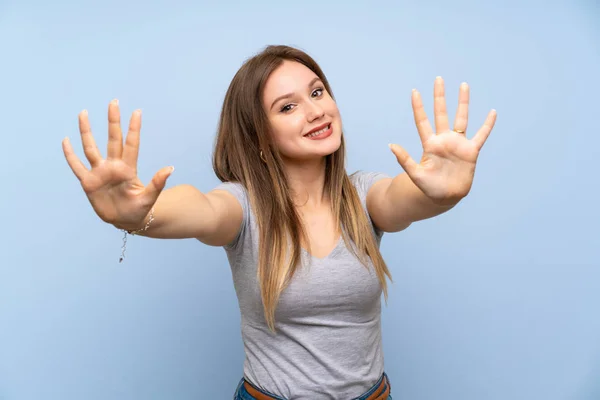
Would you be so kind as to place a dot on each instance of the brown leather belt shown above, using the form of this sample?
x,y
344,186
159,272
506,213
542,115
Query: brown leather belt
x,y
381,392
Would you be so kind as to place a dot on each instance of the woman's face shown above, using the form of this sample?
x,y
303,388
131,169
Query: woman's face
x,y
305,120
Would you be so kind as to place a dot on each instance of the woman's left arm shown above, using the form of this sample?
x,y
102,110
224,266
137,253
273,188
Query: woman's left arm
x,y
443,176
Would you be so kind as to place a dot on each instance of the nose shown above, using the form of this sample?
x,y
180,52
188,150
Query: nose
x,y
314,111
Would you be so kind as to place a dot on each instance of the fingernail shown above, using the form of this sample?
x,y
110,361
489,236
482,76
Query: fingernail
x,y
439,78
116,102
391,146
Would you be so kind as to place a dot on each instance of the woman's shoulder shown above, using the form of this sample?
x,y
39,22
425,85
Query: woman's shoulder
x,y
237,189
363,180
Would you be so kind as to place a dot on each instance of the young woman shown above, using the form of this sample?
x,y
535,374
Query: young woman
x,y
301,235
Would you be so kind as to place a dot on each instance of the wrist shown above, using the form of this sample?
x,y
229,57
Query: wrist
x,y
138,227
443,203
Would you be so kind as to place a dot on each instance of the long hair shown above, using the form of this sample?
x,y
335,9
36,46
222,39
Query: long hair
x,y
243,133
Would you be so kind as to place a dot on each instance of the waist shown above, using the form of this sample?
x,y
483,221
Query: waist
x,y
381,390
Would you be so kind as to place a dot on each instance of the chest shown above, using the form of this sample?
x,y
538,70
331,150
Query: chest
x,y
330,283
323,234
337,287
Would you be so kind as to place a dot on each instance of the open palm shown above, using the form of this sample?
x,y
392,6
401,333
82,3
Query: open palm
x,y
111,184
447,167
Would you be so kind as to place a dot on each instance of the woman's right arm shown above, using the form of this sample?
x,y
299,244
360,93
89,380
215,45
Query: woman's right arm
x,y
183,211
119,197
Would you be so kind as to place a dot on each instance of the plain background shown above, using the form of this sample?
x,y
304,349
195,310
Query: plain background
x,y
497,299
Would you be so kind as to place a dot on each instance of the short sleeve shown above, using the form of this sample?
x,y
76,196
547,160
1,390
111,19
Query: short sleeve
x,y
241,194
363,182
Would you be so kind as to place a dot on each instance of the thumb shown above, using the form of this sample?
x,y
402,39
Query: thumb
x,y
404,159
158,182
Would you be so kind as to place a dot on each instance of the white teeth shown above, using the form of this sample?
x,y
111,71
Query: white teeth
x,y
317,133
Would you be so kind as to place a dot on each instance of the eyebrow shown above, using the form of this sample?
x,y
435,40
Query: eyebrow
x,y
312,82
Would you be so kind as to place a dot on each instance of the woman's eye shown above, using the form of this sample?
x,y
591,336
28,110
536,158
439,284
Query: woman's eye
x,y
286,108
315,93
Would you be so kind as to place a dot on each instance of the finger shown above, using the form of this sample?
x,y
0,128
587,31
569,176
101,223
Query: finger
x,y
483,133
462,112
404,159
87,139
74,162
115,137
421,121
157,184
132,141
439,106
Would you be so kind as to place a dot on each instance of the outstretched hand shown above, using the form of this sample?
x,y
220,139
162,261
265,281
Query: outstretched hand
x,y
112,184
447,167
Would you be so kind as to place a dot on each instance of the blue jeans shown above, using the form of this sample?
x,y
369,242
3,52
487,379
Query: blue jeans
x,y
242,394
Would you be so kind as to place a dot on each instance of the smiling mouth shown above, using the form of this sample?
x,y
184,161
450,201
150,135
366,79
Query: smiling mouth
x,y
319,132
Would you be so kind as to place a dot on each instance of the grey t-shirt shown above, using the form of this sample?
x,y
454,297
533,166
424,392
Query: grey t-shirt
x,y
327,343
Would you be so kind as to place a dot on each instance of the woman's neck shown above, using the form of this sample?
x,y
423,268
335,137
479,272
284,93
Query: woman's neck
x,y
307,181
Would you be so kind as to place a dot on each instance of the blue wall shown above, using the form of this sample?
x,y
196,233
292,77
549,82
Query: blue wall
x,y
498,299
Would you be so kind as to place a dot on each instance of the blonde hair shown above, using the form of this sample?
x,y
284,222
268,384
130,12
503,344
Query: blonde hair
x,y
243,133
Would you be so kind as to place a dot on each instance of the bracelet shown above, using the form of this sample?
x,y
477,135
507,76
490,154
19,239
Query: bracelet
x,y
135,232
